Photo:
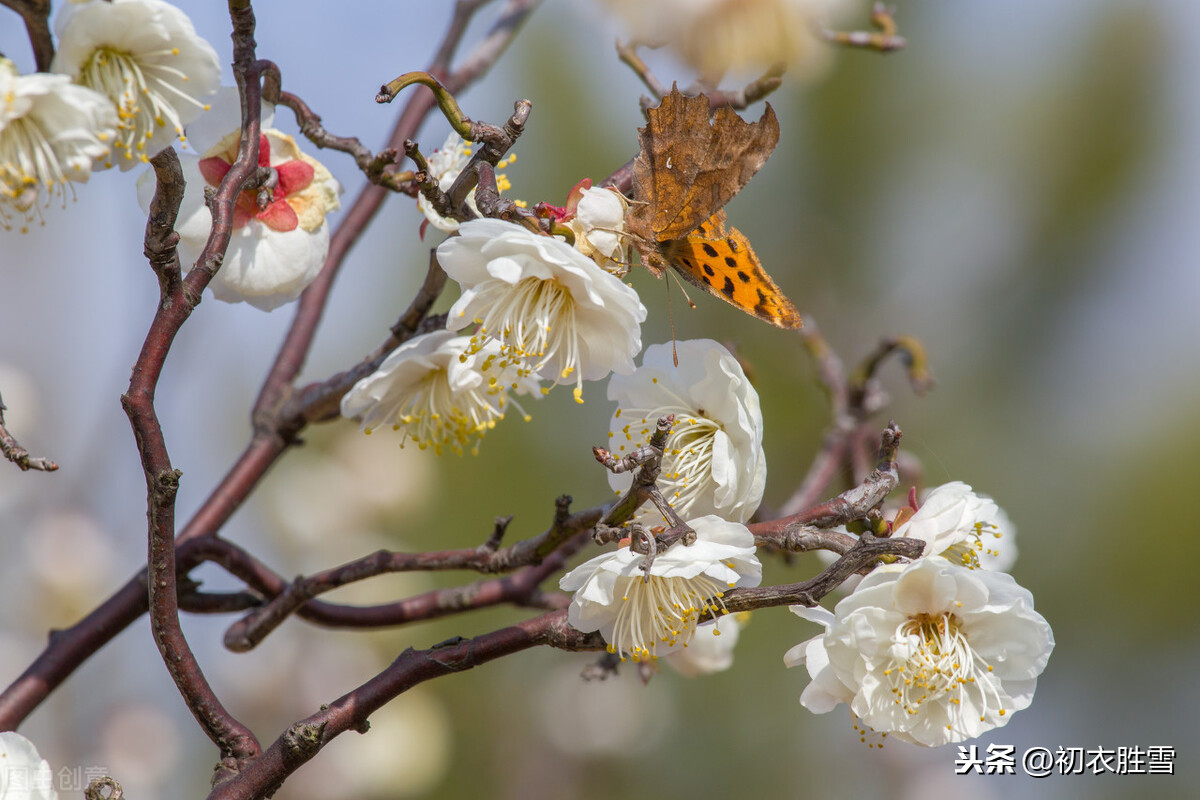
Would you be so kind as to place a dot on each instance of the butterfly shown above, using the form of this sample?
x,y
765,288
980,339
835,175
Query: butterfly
x,y
686,172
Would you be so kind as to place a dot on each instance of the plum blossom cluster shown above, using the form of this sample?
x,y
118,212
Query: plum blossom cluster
x,y
126,79
538,309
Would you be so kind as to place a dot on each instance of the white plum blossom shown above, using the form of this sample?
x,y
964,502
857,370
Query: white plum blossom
x,y
445,165
643,619
711,649
554,313
280,240
435,392
929,652
963,526
597,218
714,36
713,462
145,56
24,774
956,523
51,133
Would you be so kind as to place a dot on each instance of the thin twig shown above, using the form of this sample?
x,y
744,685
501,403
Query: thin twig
x,y
18,455
885,40
849,505
351,712
563,538
372,165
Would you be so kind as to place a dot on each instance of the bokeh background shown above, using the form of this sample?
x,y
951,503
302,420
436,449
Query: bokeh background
x,y
1018,188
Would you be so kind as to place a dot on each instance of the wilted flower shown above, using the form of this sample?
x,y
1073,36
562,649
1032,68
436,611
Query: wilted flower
x,y
145,57
643,618
436,392
280,236
554,313
930,652
713,461
51,132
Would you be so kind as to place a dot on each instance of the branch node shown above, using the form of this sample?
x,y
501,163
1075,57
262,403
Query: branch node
x,y
500,526
302,741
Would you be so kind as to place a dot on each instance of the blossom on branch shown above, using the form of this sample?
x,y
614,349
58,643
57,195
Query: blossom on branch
x,y
597,218
445,165
553,312
145,57
24,774
280,236
929,652
436,392
51,133
963,526
644,618
713,461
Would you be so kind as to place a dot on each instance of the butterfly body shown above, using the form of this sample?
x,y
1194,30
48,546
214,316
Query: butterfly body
x,y
689,167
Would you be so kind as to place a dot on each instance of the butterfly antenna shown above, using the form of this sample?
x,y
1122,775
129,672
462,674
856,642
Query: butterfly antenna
x,y
682,288
671,323
671,313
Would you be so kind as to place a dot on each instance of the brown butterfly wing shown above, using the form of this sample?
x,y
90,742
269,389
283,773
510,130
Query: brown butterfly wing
x,y
723,264
673,144
689,167
736,150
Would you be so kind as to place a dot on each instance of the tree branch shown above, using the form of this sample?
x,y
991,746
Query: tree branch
x,y
36,15
69,648
18,455
235,741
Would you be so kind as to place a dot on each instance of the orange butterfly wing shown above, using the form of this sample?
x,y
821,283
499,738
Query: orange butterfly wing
x,y
722,263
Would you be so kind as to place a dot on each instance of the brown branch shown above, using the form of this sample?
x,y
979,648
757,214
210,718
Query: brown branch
x,y
95,789
18,455
321,401
853,401
911,353
849,505
885,40
865,552
351,712
374,166
627,52
69,648
564,537
236,742
303,740
297,343
36,15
